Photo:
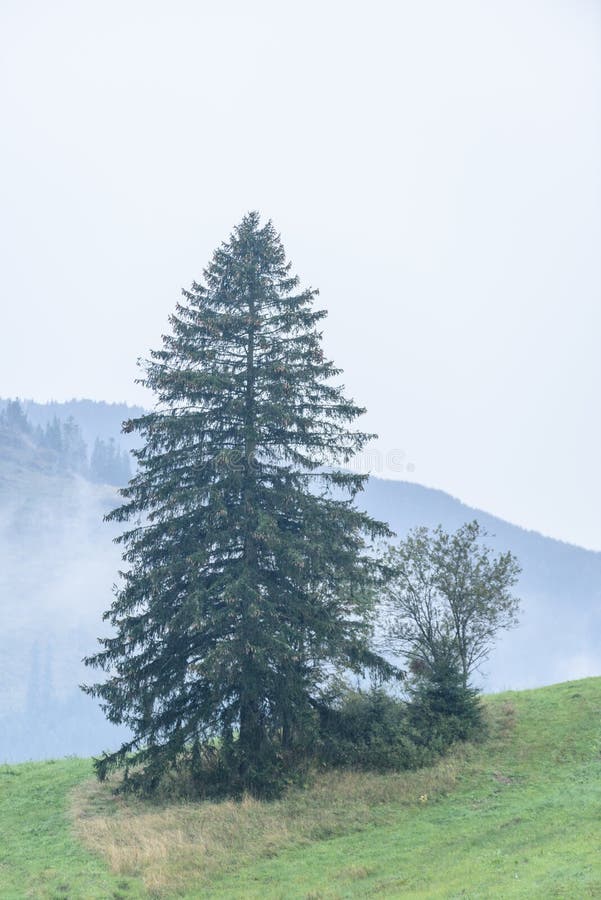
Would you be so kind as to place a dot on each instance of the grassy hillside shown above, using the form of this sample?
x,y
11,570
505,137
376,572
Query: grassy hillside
x,y
517,816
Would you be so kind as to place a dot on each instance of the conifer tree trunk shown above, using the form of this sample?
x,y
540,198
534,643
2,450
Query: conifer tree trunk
x,y
250,725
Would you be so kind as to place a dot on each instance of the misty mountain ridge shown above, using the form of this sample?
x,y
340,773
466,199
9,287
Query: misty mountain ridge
x,y
95,418
39,439
59,563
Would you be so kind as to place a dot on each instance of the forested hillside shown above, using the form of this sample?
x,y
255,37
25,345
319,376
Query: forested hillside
x,y
59,565
94,419
49,438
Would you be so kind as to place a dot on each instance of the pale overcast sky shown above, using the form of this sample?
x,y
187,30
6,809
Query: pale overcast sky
x,y
433,168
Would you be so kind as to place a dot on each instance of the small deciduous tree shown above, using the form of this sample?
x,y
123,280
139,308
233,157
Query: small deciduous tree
x,y
449,594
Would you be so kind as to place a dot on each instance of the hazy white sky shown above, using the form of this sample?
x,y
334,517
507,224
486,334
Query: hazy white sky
x,y
433,168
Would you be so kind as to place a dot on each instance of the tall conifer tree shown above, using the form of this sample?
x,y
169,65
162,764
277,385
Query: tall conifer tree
x,y
248,575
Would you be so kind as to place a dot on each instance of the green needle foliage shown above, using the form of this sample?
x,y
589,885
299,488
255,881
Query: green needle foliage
x,y
249,576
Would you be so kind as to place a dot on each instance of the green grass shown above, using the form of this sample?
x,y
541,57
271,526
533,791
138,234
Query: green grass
x,y
518,816
523,821
39,855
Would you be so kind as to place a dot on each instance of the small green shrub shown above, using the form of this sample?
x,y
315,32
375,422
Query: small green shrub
x,y
367,730
372,730
442,709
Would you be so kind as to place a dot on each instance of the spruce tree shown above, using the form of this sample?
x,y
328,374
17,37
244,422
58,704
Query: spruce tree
x,y
248,577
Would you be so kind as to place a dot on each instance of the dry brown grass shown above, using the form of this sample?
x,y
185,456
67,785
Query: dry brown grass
x,y
173,846
170,846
